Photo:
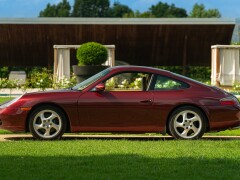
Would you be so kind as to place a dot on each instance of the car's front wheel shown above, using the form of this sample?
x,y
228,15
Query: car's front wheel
x,y
47,123
187,123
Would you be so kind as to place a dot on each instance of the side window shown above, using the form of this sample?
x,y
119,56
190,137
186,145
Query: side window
x,y
166,83
127,81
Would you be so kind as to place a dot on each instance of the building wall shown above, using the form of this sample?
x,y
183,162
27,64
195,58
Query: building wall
x,y
149,44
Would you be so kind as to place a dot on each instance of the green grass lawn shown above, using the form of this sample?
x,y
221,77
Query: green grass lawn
x,y
3,99
235,132
120,159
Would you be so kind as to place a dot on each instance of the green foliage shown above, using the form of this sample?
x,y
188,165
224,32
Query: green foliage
x,y
146,14
236,88
175,69
138,14
92,53
62,9
102,8
169,84
199,11
36,78
200,73
235,43
4,72
91,8
65,83
49,11
165,10
6,83
41,79
120,10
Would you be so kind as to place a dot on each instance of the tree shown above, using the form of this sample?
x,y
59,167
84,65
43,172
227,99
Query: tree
x,y
199,11
120,10
165,10
49,11
91,8
62,9
146,14
138,14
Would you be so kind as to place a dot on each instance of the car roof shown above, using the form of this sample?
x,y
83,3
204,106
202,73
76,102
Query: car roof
x,y
155,71
139,68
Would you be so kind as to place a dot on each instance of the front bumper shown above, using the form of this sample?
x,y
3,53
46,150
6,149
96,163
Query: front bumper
x,y
13,119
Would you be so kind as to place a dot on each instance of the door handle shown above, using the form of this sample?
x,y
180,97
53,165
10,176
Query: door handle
x,y
146,101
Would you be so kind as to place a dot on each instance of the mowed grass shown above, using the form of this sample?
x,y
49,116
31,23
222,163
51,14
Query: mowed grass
x,y
3,99
235,132
120,159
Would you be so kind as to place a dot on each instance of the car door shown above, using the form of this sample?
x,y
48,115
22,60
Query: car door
x,y
125,105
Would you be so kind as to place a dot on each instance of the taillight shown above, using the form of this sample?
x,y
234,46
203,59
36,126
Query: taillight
x,y
228,102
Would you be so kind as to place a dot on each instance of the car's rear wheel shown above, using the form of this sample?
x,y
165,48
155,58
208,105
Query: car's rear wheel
x,y
47,123
187,123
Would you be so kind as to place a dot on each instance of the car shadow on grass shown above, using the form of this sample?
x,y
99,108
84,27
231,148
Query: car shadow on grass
x,y
117,166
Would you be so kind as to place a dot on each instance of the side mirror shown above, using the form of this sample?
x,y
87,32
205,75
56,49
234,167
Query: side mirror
x,y
100,87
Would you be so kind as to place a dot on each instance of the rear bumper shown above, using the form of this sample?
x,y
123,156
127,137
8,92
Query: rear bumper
x,y
224,125
223,117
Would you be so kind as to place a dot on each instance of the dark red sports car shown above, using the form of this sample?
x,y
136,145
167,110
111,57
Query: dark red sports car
x,y
125,99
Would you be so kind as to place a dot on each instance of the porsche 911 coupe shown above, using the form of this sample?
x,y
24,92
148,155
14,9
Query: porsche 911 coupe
x,y
129,99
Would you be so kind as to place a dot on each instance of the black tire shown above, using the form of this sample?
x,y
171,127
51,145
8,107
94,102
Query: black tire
x,y
187,123
168,131
47,123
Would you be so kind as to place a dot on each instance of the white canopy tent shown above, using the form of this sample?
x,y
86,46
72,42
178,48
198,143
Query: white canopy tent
x,y
225,65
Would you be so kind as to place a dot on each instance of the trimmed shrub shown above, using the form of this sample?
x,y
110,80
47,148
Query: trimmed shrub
x,y
91,53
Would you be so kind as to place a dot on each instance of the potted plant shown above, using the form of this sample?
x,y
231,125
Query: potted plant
x,y
90,57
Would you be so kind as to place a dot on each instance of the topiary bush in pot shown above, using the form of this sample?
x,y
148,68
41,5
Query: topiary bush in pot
x,y
90,58
91,53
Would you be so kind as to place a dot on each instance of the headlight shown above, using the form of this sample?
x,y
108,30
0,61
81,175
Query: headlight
x,y
8,103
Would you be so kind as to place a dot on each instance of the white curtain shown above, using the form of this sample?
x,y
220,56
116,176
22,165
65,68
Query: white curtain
x,y
63,64
229,67
214,75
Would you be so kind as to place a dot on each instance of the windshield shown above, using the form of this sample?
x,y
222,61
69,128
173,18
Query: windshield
x,y
91,80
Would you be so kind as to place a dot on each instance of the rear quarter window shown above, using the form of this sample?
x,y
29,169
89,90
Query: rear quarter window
x,y
166,83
